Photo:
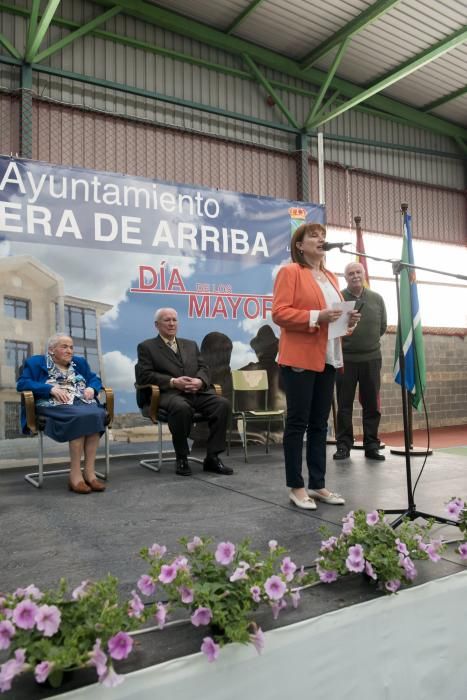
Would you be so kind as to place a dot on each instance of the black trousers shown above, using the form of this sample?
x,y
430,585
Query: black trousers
x,y
368,377
180,411
309,397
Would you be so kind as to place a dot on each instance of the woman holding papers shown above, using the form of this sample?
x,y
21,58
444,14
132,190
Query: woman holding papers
x,y
305,295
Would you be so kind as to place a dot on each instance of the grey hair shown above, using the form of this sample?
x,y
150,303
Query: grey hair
x,y
158,312
349,265
54,340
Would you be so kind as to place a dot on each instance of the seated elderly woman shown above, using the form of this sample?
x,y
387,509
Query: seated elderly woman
x,y
65,391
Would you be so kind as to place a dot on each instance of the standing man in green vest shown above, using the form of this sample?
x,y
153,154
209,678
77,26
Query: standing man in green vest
x,y
362,366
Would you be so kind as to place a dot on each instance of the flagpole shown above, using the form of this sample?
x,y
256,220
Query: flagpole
x,y
414,451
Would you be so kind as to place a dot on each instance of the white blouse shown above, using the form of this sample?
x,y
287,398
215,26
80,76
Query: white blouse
x,y
334,346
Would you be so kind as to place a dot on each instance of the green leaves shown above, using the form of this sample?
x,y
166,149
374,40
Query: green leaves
x,y
386,554
95,613
220,579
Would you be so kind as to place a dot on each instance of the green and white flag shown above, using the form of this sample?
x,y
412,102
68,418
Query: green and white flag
x,y
411,325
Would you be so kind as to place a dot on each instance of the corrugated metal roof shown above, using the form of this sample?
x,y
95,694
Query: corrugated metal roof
x,y
296,27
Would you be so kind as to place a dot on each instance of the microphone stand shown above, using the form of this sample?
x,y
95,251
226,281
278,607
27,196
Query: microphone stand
x,y
411,510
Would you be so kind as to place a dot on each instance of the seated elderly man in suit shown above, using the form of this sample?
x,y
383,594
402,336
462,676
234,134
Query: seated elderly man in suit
x,y
177,367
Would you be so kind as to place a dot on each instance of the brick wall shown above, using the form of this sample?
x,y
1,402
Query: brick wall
x,y
446,392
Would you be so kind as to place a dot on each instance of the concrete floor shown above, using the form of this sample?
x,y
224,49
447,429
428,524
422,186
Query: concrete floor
x,y
49,533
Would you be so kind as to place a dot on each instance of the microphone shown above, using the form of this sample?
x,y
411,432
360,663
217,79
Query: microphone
x,y
330,246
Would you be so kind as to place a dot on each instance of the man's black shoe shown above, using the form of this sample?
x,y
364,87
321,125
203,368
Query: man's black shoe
x,y
214,464
341,453
183,468
374,454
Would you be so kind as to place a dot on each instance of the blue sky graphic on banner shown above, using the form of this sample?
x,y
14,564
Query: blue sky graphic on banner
x,y
79,241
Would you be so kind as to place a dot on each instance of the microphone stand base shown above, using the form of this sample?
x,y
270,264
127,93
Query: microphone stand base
x,y
412,513
413,452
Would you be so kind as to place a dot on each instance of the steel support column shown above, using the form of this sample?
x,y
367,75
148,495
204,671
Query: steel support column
x,y
26,111
302,169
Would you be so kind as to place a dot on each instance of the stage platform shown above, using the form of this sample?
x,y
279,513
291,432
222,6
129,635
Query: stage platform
x,y
49,533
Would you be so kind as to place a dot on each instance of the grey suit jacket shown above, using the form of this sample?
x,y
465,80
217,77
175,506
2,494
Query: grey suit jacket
x,y
157,364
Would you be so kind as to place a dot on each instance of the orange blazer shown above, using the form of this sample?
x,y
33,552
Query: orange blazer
x,y
296,293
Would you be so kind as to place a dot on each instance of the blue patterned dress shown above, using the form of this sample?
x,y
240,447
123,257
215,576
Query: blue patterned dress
x,y
76,418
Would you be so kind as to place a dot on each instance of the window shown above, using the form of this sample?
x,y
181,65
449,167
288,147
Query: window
x,y
89,353
12,421
81,324
17,308
15,353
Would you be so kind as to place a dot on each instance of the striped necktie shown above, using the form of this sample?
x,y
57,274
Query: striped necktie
x,y
173,346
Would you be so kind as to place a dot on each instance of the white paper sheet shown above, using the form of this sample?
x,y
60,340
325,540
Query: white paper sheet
x,y
339,328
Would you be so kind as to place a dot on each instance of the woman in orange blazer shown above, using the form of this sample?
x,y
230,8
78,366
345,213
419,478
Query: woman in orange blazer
x,y
304,292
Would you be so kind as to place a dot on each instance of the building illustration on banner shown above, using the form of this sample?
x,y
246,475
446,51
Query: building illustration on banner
x,y
35,306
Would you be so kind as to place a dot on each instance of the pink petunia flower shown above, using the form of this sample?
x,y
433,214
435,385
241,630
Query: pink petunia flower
x,y
161,615
201,616
157,550
432,550
168,573
370,571
181,563
327,575
7,631
355,561
239,574
348,523
288,568
194,544
42,671
24,615
10,669
135,605
275,587
420,543
146,584
120,645
33,592
455,507
295,598
393,585
258,640
80,591
110,679
276,607
186,594
401,547
256,593
329,544
463,550
225,553
210,649
372,518
98,658
48,618
410,572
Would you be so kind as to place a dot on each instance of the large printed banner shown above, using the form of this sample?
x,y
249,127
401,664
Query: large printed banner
x,y
79,243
